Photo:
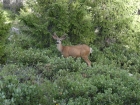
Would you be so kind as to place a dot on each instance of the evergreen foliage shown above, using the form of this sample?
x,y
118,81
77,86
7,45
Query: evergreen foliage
x,y
4,29
61,17
36,74
68,82
116,21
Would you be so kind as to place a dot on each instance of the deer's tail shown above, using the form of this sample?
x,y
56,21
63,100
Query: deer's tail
x,y
91,50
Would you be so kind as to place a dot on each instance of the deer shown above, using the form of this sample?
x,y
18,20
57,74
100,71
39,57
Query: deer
x,y
74,51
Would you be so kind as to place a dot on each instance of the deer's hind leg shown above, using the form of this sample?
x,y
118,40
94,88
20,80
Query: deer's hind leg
x,y
87,60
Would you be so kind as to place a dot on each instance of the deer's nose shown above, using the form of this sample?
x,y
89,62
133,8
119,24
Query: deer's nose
x,y
57,42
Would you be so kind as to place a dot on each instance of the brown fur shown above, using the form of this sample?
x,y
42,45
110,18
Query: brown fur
x,y
82,51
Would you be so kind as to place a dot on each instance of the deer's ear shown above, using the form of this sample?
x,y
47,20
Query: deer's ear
x,y
55,36
63,37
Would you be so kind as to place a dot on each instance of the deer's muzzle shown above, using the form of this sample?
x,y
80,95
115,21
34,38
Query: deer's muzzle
x,y
57,42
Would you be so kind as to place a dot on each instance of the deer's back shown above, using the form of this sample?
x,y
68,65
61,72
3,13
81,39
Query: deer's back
x,y
76,51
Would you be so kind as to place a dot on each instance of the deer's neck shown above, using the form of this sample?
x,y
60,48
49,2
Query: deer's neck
x,y
60,47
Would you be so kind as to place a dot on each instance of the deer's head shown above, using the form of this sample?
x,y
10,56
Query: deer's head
x,y
58,40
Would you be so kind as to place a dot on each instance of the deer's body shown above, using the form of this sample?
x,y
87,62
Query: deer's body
x,y
74,51
82,51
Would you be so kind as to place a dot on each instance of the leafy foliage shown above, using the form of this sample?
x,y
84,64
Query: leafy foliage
x,y
4,28
60,17
68,83
115,22
13,92
37,73
119,56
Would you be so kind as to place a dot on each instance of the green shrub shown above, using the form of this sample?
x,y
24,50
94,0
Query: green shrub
x,y
33,76
60,17
68,81
19,81
58,65
23,73
15,93
20,40
117,22
4,28
30,56
98,85
119,56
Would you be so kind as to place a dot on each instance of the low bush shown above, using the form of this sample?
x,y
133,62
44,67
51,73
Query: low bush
x,y
15,93
68,82
98,85
23,73
30,56
118,55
